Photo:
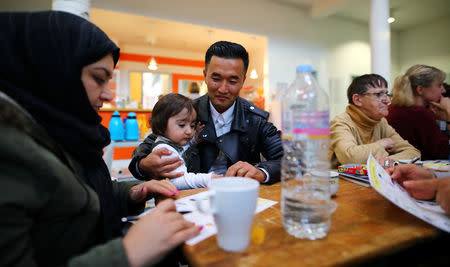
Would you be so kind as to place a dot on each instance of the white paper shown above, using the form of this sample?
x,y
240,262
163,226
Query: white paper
x,y
187,204
426,210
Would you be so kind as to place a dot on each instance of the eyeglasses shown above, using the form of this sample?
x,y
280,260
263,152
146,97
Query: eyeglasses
x,y
380,95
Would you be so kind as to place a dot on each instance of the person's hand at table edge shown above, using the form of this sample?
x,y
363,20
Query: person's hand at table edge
x,y
245,169
406,173
154,188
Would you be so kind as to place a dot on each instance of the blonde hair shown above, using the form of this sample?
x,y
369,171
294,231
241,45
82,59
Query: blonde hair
x,y
418,75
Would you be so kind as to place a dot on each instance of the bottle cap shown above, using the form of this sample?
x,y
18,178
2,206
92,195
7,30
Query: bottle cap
x,y
304,68
116,113
131,115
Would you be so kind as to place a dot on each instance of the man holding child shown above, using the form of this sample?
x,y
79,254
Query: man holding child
x,y
235,134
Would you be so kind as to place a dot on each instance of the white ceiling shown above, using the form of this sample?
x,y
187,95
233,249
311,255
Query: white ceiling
x,y
176,35
408,13
144,31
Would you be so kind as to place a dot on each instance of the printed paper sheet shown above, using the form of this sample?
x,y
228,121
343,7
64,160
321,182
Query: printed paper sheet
x,y
428,211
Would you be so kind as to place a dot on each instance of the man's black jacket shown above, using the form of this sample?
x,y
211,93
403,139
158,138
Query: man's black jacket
x,y
250,137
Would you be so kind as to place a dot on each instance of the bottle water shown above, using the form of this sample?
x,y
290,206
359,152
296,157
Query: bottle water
x,y
305,167
116,128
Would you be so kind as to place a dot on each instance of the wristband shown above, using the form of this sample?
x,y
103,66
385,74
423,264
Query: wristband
x,y
448,122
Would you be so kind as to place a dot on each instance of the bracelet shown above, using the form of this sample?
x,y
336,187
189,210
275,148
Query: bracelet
x,y
448,122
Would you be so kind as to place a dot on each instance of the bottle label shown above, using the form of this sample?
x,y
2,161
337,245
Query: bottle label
x,y
308,125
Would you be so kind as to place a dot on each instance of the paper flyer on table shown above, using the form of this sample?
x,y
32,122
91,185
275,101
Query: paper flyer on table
x,y
428,211
187,204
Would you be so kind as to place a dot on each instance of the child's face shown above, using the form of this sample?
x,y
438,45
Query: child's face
x,y
181,127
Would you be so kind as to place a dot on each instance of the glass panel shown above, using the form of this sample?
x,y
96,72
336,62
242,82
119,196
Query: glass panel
x,y
146,87
136,86
192,89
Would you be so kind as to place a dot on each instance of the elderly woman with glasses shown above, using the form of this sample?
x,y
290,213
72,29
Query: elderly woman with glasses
x,y
416,105
362,129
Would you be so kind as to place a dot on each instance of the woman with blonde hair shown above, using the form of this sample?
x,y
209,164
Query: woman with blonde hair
x,y
416,105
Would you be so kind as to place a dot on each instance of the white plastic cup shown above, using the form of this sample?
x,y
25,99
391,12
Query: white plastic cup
x,y
334,182
233,205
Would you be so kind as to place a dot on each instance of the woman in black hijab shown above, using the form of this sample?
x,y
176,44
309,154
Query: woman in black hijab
x,y
57,201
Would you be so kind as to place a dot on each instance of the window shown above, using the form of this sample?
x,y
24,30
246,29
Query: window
x,y
146,87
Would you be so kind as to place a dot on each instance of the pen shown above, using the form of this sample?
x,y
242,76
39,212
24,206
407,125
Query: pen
x,y
415,159
135,218
130,218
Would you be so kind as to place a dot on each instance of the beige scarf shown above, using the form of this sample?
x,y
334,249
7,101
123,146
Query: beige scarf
x,y
363,123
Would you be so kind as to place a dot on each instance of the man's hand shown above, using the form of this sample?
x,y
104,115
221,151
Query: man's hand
x,y
245,169
157,233
199,127
440,186
387,143
405,174
158,168
145,191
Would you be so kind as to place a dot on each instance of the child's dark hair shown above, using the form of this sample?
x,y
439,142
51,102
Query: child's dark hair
x,y
168,106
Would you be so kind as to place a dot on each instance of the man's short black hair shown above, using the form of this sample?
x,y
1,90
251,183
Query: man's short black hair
x,y
360,85
229,50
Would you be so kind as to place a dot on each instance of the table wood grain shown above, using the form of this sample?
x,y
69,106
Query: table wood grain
x,y
364,226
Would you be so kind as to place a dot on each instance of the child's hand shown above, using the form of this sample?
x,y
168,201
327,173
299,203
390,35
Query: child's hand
x,y
198,129
214,176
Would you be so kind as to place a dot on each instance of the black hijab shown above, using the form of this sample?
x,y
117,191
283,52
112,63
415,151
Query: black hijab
x,y
41,58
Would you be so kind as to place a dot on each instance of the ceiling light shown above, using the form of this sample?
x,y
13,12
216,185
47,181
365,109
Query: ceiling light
x,y
152,64
253,74
390,19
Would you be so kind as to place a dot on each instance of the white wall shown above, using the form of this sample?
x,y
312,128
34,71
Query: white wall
x,y
25,5
426,44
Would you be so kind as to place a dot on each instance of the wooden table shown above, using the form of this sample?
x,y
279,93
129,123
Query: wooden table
x,y
364,226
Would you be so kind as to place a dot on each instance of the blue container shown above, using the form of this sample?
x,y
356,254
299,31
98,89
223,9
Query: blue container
x,y
131,127
116,128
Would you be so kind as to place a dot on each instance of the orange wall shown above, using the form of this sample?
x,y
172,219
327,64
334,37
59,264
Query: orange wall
x,y
122,152
163,60
168,61
107,114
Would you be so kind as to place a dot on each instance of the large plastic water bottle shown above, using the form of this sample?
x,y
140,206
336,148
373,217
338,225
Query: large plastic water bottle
x,y
306,204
